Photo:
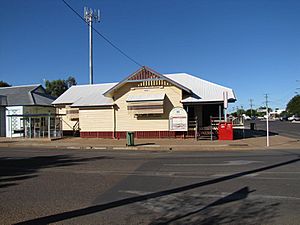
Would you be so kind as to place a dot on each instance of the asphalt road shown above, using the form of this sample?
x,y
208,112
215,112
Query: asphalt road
x,y
119,187
284,128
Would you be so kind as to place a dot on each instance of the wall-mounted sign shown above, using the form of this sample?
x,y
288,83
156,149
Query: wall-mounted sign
x,y
178,120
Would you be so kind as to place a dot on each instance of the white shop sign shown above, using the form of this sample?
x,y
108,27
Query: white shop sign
x,y
178,120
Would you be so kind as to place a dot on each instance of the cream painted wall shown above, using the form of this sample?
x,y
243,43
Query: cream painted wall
x,y
96,119
67,125
126,121
102,119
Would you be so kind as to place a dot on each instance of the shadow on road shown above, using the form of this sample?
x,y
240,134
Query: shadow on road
x,y
235,196
238,210
13,170
101,207
247,133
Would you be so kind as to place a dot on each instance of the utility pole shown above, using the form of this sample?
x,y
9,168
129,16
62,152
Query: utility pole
x,y
251,105
90,16
225,98
267,113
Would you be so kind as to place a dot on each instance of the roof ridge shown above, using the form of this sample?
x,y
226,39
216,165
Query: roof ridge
x,y
90,85
160,75
32,99
26,85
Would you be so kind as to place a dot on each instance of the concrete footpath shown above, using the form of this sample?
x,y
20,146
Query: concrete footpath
x,y
276,142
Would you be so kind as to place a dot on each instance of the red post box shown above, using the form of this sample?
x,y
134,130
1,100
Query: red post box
x,y
225,131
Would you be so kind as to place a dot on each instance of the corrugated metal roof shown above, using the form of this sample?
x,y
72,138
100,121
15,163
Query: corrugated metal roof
x,y
85,95
203,91
26,95
42,99
92,95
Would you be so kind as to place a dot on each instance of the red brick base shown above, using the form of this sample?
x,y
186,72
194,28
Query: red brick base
x,y
137,134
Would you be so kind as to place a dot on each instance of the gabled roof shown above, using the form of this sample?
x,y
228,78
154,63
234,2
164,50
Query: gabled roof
x,y
202,90
144,74
85,95
26,95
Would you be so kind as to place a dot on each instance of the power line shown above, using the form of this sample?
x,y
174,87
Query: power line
x,y
101,35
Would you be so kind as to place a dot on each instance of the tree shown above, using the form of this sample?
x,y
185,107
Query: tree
x,y
57,87
4,84
284,113
71,81
293,107
240,111
248,112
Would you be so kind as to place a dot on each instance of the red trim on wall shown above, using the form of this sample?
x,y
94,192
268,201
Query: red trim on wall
x,y
95,134
120,135
137,134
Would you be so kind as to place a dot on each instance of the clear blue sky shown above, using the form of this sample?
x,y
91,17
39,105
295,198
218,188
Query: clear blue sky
x,y
252,46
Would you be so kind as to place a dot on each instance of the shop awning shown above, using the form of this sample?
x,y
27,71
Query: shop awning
x,y
146,102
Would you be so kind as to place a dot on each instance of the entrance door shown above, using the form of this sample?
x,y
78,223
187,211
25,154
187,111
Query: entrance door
x,y
210,110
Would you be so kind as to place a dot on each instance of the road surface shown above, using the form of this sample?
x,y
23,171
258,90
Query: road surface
x,y
284,128
39,186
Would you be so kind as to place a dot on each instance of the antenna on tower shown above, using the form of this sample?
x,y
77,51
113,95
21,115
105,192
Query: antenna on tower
x,y
91,15
99,15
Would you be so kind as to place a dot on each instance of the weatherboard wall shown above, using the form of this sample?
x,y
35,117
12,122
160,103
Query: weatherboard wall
x,y
108,122
96,119
128,121
67,124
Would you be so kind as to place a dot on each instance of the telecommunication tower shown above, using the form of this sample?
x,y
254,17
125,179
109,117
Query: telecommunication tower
x,y
90,16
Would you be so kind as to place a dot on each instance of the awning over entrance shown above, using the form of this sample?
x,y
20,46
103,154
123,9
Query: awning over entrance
x,y
146,101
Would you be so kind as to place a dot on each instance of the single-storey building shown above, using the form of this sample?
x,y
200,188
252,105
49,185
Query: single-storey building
x,y
151,104
24,110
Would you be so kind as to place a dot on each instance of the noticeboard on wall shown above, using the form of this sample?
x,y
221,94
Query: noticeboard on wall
x,y
178,119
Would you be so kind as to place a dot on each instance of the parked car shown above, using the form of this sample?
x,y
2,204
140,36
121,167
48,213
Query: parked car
x,y
246,117
283,118
294,118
